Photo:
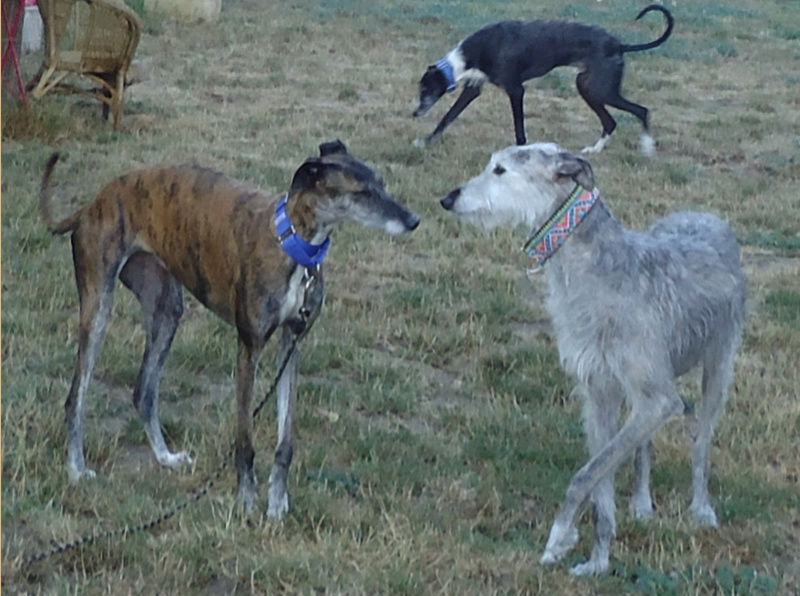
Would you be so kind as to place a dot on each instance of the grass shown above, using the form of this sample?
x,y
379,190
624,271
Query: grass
x,y
436,433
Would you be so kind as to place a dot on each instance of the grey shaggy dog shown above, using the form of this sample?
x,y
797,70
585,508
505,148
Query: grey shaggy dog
x,y
632,311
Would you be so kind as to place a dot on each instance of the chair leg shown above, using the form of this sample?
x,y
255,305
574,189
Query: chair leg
x,y
117,99
44,83
35,80
108,97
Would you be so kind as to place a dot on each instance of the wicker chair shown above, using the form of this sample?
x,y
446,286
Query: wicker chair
x,y
91,38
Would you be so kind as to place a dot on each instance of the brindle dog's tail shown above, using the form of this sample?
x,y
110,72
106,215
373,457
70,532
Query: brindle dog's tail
x,y
56,227
660,40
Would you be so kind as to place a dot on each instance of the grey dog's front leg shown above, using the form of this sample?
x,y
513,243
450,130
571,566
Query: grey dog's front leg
x,y
286,392
641,500
640,426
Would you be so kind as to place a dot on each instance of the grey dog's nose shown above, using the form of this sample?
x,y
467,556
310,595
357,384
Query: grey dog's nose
x,y
450,199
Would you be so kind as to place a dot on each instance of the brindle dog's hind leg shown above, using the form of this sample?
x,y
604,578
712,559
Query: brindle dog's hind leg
x,y
161,298
96,276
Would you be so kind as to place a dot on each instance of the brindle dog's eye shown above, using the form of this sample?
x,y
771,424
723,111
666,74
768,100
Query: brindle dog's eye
x,y
499,170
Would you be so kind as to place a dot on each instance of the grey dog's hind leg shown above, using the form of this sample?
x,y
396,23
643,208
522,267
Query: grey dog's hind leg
x,y
717,379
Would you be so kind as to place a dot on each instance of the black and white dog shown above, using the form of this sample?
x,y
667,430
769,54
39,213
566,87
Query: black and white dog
x,y
509,53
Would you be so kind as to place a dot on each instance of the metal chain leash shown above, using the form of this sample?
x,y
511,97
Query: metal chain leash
x,y
129,530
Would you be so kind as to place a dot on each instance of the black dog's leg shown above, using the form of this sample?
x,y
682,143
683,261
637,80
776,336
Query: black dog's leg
x,y
469,93
594,91
599,85
515,95
640,112
647,145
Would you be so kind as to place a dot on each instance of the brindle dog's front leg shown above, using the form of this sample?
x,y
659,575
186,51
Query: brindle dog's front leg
x,y
245,377
293,331
286,396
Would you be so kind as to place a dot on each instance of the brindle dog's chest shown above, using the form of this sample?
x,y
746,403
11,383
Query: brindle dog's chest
x,y
293,297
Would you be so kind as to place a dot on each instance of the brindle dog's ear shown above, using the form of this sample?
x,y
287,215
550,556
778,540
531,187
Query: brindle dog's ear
x,y
576,168
308,174
332,147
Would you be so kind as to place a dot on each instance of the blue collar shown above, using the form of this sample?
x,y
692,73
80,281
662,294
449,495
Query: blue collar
x,y
304,253
446,69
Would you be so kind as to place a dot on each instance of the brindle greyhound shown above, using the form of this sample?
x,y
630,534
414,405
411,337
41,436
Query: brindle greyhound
x,y
252,258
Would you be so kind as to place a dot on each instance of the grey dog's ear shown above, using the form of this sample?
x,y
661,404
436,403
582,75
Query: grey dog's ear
x,y
332,147
576,168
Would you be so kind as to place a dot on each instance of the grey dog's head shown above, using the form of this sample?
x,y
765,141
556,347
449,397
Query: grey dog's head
x,y
520,185
346,189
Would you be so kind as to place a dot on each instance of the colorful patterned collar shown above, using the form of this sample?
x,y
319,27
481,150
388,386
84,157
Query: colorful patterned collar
x,y
548,239
304,253
446,69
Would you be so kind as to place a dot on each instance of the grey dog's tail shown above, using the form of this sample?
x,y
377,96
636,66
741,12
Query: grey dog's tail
x,y
667,32
56,227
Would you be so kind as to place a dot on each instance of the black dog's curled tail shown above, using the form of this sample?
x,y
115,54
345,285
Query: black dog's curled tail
x,y
56,227
660,40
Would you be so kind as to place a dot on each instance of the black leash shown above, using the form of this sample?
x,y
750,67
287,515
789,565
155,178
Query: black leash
x,y
129,530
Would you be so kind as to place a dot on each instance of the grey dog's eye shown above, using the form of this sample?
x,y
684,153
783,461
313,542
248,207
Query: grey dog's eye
x,y
499,170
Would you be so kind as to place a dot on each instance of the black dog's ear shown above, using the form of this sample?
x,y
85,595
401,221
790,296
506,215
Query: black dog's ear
x,y
332,147
432,68
308,175
576,168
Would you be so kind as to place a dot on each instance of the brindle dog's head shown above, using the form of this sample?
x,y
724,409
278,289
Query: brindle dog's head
x,y
348,190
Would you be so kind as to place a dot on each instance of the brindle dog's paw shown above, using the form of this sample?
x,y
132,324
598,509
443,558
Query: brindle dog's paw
x,y
248,494
82,474
278,504
589,568
175,460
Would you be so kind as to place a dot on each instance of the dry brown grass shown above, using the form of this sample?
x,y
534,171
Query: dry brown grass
x,y
436,433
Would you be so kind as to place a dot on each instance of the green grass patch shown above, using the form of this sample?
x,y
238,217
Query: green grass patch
x,y
783,306
773,241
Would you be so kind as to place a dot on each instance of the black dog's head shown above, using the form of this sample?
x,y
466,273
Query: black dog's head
x,y
432,86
